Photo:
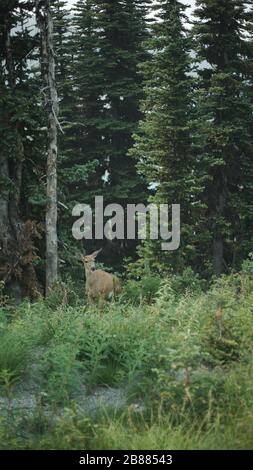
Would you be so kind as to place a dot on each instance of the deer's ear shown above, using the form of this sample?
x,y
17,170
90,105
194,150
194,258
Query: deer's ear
x,y
94,255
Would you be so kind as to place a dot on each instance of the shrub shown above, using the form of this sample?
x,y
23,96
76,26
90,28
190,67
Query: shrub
x,y
142,291
247,266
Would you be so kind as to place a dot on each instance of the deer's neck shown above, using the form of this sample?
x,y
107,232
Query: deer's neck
x,y
88,271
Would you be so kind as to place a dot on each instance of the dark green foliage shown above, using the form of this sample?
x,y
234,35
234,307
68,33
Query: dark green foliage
x,y
22,150
247,266
224,137
192,97
163,143
187,281
169,364
144,290
101,89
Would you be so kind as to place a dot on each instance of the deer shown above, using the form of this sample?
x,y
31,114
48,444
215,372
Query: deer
x,y
99,285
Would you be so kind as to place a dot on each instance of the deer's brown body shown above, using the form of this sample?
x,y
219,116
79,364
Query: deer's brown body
x,y
100,285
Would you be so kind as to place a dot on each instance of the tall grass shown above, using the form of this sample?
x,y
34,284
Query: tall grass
x,y
184,362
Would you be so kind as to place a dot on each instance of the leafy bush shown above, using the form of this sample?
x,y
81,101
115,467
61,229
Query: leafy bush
x,y
247,266
65,294
144,290
14,353
188,281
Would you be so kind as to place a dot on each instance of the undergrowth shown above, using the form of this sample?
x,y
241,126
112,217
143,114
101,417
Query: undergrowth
x,y
182,355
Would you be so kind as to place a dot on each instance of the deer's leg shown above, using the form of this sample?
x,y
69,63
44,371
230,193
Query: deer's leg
x,y
90,298
101,302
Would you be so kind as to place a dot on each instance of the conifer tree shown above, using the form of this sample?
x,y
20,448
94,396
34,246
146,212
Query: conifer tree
x,y
122,51
106,48
20,150
163,142
225,129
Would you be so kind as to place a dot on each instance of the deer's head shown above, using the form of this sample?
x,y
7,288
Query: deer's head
x,y
89,260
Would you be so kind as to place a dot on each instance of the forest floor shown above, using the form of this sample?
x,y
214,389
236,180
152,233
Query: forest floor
x,y
24,398
172,372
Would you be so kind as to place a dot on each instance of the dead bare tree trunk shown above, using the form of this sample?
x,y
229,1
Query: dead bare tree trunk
x,y
45,24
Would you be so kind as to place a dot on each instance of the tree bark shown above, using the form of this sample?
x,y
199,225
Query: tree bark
x,y
45,24
221,195
16,246
218,255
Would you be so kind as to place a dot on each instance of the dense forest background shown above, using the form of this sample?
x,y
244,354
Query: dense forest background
x,y
153,106
138,102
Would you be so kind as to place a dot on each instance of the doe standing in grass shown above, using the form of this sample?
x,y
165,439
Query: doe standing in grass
x,y
99,285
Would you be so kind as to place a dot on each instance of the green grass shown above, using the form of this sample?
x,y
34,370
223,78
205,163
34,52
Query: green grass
x,y
78,431
184,361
